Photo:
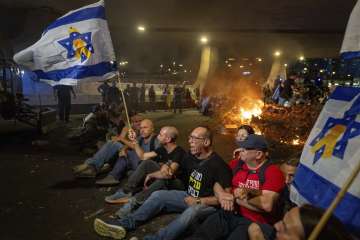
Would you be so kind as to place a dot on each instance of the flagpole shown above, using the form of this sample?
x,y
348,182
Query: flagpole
x,y
123,98
315,233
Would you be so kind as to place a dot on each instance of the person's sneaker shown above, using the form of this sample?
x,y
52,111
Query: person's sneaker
x,y
79,168
109,229
125,210
118,197
89,172
105,168
107,181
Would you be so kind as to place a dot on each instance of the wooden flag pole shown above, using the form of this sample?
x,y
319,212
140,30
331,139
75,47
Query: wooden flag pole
x,y
124,101
315,233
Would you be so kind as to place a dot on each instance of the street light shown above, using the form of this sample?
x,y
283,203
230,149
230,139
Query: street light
x,y
141,28
277,53
301,58
204,40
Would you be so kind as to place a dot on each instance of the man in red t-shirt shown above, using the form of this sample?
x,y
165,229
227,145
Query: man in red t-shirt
x,y
256,186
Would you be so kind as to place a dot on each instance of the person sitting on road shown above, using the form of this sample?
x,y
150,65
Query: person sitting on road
x,y
161,163
169,177
299,223
204,168
92,166
284,204
257,184
243,132
128,160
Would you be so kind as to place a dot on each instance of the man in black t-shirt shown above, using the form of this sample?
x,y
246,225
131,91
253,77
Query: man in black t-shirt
x,y
168,155
204,168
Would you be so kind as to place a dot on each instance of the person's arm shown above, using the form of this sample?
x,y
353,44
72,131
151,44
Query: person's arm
x,y
166,172
169,170
139,151
224,197
141,154
262,203
210,201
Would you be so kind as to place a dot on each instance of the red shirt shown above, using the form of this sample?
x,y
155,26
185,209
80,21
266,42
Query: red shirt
x,y
274,181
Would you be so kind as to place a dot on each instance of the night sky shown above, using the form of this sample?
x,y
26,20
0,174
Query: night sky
x,y
237,28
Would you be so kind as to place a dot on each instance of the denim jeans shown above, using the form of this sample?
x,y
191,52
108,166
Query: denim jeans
x,y
123,164
105,153
159,184
168,201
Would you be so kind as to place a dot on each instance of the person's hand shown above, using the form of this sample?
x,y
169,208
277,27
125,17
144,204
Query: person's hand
x,y
115,138
236,153
166,170
132,135
226,200
190,201
124,131
242,193
123,152
147,179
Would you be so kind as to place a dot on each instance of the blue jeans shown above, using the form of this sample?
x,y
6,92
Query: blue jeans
x,y
105,153
168,201
130,162
282,101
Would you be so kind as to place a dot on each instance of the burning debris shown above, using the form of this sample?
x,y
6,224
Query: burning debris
x,y
289,126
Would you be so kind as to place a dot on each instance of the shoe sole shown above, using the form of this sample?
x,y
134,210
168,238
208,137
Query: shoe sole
x,y
84,176
107,184
78,169
117,201
107,230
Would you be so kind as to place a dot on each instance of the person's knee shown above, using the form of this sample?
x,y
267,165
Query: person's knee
x,y
158,195
189,214
255,232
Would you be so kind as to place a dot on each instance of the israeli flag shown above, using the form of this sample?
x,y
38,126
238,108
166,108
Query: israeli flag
x,y
76,47
351,44
329,156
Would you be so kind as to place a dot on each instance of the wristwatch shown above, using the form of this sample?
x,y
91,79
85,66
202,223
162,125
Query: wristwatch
x,y
198,201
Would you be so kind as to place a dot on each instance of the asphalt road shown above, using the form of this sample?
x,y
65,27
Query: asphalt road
x,y
41,199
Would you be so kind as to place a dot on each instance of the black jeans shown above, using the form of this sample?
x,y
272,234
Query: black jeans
x,y
223,225
64,107
136,179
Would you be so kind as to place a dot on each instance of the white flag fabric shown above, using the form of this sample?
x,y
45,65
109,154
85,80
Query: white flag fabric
x,y
77,46
329,156
351,44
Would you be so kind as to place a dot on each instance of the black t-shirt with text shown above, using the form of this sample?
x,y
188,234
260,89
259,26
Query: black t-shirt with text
x,y
203,174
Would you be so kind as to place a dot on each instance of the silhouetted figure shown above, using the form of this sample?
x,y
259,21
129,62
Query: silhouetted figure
x,y
63,95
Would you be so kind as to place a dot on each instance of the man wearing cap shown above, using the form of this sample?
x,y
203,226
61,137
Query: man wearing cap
x,y
256,186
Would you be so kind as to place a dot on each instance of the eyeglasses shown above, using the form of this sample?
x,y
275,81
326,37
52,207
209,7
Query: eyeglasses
x,y
195,138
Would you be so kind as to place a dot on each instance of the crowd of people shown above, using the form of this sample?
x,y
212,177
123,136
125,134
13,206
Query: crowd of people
x,y
248,198
295,90
144,98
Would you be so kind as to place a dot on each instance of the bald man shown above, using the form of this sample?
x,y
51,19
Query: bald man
x,y
161,164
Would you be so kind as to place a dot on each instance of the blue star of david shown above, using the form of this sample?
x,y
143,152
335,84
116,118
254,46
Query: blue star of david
x,y
352,130
67,43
